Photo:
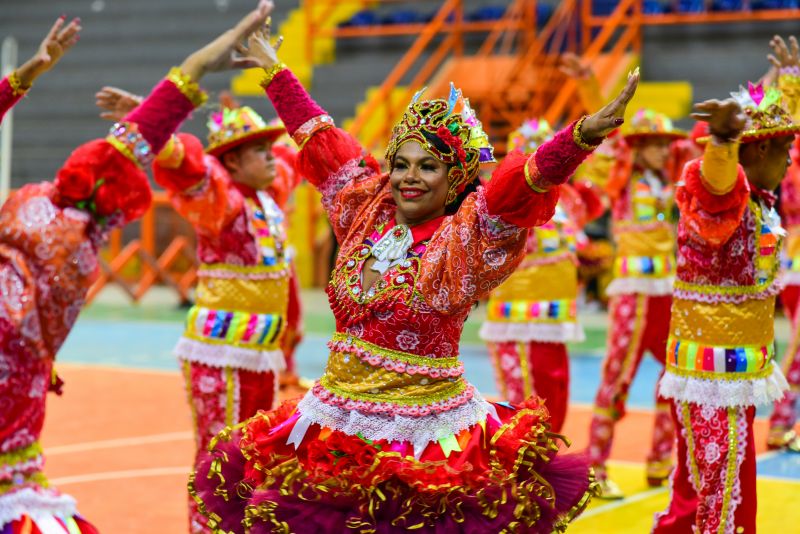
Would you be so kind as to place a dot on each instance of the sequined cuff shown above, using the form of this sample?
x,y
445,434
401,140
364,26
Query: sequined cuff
x,y
188,87
125,137
171,156
532,175
577,136
310,127
16,85
271,73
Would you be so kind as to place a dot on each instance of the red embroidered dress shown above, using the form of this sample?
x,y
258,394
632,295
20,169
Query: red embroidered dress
x,y
49,239
392,436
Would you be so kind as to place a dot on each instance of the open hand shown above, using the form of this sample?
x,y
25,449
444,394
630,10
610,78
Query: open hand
x,y
260,48
56,43
784,55
116,102
611,116
220,53
572,66
725,118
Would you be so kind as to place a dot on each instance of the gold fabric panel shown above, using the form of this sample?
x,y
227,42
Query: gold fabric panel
x,y
254,296
724,325
552,281
659,241
346,375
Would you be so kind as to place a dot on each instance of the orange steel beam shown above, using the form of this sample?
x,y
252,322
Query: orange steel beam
x,y
509,21
403,66
434,61
393,30
709,18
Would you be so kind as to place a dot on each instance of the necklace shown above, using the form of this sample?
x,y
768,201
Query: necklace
x,y
392,248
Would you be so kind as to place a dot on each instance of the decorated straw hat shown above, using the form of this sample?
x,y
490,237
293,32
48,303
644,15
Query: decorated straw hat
x,y
530,135
231,127
450,131
767,115
649,123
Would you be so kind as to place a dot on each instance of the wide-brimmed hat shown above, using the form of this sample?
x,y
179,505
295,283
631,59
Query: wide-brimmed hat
x,y
650,123
231,127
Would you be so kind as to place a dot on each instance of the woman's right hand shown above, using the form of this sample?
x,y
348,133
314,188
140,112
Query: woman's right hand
x,y
220,54
116,102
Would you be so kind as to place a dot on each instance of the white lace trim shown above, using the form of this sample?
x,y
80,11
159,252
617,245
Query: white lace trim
x,y
419,431
213,355
544,332
642,286
38,503
724,393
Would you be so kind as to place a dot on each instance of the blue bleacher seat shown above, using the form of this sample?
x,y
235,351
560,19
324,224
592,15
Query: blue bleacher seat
x,y
362,18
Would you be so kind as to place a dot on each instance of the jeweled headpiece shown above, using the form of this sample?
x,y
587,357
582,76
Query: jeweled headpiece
x,y
230,127
767,115
449,131
530,135
650,123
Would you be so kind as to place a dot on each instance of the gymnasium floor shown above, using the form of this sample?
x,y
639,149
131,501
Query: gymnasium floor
x,y
120,441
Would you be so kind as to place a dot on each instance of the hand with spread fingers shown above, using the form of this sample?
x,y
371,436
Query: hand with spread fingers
x,y
59,40
725,118
572,66
784,56
221,53
260,48
611,116
116,102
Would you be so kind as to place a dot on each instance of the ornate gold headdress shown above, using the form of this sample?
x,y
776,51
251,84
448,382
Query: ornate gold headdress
x,y
449,131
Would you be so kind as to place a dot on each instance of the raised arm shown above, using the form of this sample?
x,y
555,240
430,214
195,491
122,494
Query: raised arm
x,y
715,190
589,91
56,43
330,158
481,245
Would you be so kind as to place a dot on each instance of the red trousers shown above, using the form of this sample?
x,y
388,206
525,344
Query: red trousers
x,y
221,397
638,323
533,368
714,483
784,416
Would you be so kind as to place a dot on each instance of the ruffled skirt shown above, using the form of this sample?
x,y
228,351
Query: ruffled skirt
x,y
497,476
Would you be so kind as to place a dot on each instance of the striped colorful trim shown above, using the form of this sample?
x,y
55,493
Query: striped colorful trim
x,y
234,327
656,266
692,356
526,310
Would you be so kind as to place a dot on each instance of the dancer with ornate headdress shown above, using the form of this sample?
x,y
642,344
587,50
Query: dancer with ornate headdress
x,y
640,293
50,233
392,436
533,314
720,358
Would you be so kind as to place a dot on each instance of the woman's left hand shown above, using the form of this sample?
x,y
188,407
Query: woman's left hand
x,y
601,123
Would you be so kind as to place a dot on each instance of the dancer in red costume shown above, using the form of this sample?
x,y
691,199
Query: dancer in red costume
x,y
784,416
392,437
533,314
720,361
50,233
641,191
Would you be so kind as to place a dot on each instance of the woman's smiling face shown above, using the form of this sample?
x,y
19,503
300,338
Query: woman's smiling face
x,y
419,184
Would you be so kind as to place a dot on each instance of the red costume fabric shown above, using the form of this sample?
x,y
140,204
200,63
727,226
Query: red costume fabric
x,y
8,97
393,415
49,238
